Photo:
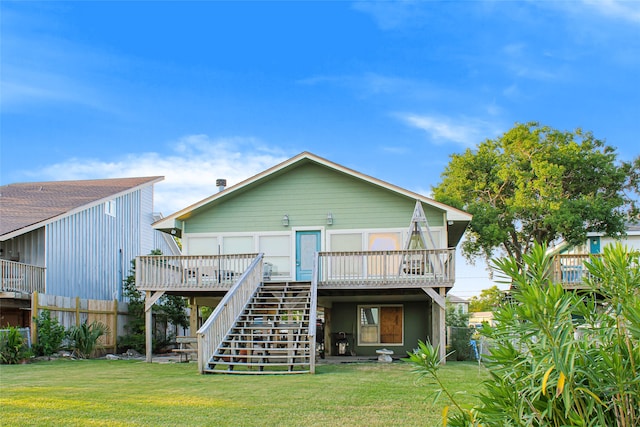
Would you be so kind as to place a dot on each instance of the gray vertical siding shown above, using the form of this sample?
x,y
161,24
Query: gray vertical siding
x,y
146,217
27,248
89,253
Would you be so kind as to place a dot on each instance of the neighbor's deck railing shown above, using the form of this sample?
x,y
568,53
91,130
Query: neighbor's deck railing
x,y
226,313
387,269
190,272
18,277
570,270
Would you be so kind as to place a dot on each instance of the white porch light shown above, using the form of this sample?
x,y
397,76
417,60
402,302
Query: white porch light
x,y
330,219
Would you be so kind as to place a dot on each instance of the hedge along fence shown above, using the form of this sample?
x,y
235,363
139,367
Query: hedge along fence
x,y
75,311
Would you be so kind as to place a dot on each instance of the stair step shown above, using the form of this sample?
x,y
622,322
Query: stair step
x,y
219,371
254,357
261,341
258,345
257,365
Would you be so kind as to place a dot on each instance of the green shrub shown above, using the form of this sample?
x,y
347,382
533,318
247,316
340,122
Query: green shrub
x,y
84,338
461,343
558,357
50,334
13,346
563,358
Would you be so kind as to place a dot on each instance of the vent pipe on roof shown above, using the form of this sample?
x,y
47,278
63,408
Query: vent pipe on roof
x,y
221,184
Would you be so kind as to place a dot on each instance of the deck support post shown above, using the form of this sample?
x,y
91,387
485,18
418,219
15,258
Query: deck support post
x,y
438,316
194,312
150,299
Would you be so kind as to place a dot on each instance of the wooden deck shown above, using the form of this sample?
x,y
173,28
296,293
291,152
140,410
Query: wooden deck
x,y
190,273
386,269
22,278
336,270
570,270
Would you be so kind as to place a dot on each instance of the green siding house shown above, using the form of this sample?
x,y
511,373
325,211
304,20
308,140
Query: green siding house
x,y
366,266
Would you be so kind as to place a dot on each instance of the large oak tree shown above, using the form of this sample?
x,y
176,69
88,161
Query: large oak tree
x,y
535,184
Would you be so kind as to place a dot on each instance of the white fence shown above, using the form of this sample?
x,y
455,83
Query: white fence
x,y
19,277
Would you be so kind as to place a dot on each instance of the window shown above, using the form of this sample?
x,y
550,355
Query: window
x,y
380,324
110,207
277,252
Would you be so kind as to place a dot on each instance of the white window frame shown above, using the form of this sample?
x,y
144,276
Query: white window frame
x,y
110,207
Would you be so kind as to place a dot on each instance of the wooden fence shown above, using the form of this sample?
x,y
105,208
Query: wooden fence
x,y
75,311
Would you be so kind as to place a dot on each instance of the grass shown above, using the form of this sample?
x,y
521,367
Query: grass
x,y
134,393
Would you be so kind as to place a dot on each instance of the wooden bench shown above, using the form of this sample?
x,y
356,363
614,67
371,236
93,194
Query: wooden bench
x,y
188,346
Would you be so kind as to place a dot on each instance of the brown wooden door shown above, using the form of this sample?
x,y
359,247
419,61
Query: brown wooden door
x,y
391,325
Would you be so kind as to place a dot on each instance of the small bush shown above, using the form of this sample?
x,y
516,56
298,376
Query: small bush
x,y
13,346
50,334
84,338
461,343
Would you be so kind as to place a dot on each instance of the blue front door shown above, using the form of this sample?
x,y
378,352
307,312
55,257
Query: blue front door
x,y
307,244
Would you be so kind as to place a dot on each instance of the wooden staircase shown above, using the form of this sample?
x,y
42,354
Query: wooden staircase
x,y
271,336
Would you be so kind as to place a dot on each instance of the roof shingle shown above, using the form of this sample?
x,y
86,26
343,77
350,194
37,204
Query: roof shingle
x,y
25,204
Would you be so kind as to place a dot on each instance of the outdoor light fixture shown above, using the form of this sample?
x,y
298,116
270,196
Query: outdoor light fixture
x,y
285,220
330,219
450,222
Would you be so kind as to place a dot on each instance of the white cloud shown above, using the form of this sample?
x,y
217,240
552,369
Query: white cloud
x,y
626,10
40,68
395,14
528,63
394,149
190,171
467,132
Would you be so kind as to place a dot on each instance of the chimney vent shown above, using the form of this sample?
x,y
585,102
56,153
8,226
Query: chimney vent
x,y
221,184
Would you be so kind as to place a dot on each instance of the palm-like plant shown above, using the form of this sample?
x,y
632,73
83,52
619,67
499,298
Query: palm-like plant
x,y
84,338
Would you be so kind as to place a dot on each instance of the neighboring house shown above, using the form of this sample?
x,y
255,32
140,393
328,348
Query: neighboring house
x,y
569,260
333,237
460,305
73,239
476,319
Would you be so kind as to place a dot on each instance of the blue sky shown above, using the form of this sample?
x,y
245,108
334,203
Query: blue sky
x,y
197,91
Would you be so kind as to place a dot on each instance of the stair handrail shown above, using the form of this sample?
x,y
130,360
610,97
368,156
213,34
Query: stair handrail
x,y
213,332
313,311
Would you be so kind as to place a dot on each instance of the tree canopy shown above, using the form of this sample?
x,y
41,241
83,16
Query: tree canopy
x,y
488,300
535,184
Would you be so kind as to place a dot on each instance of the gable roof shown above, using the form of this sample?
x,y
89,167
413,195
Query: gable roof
x,y
169,223
28,206
457,300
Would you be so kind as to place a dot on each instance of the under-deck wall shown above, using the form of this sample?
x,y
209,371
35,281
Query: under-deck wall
x,y
416,324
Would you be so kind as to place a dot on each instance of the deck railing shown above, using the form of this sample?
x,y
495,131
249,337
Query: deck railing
x,y
19,277
190,272
313,314
570,270
377,269
226,313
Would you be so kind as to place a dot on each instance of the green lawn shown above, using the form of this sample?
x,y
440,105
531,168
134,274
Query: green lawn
x,y
134,393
